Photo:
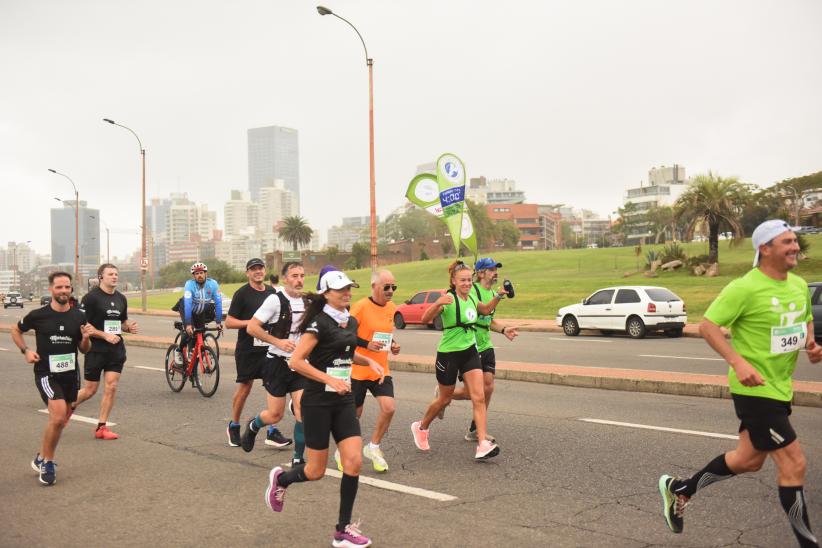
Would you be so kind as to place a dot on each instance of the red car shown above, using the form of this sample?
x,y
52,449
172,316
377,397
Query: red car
x,y
411,312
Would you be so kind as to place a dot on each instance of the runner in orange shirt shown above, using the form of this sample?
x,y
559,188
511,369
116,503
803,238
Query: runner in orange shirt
x,y
375,338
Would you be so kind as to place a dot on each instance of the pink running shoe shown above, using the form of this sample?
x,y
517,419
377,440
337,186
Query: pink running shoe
x,y
351,537
275,493
420,437
486,450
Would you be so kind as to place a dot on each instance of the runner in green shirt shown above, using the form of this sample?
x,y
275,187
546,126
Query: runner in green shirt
x,y
485,272
457,355
769,314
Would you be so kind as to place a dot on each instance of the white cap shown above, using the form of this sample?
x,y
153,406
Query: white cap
x,y
334,279
766,232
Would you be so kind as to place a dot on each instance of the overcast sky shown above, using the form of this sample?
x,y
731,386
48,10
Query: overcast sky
x,y
576,100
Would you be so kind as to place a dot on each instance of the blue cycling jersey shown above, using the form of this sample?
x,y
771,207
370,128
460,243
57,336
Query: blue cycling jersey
x,y
196,297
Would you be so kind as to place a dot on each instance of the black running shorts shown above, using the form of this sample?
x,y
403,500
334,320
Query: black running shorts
x,y
279,379
97,362
359,389
320,421
250,366
766,421
62,386
451,364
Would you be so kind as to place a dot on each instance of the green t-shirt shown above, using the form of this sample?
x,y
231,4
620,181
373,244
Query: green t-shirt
x,y
456,338
483,321
768,320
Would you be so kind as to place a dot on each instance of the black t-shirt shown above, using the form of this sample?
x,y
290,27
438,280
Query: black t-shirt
x,y
106,312
335,348
58,335
244,304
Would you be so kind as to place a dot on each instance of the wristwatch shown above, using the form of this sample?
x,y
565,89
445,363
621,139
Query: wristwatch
x,y
24,350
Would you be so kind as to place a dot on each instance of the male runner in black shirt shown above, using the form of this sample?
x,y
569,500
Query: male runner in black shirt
x,y
107,312
60,331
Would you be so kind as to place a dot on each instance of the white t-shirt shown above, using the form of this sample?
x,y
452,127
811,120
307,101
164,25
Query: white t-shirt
x,y
270,311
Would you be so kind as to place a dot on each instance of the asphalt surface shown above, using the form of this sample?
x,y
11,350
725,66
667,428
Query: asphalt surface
x,y
655,353
171,480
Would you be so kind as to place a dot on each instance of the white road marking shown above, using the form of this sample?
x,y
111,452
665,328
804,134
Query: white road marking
x,y
149,368
76,417
681,357
663,429
578,339
398,487
4,349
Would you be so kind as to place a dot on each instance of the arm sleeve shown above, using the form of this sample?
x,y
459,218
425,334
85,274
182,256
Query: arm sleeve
x,y
728,306
187,294
269,310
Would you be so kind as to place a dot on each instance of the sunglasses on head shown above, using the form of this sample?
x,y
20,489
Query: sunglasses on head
x,y
392,287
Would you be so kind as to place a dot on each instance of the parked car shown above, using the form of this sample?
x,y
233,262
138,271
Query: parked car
x,y
633,309
411,311
45,300
13,298
816,306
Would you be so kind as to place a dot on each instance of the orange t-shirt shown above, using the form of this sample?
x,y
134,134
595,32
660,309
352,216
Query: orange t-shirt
x,y
372,318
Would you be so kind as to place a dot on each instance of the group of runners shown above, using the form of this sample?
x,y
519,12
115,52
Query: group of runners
x,y
327,354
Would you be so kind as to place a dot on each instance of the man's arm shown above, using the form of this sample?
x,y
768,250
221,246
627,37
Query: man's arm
x,y
745,372
218,301
187,297
17,338
255,329
509,332
233,323
814,350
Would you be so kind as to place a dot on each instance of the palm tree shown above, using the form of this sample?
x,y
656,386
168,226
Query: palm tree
x,y
295,230
715,202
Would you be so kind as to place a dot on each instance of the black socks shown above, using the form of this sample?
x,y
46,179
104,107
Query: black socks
x,y
348,492
793,502
716,470
295,475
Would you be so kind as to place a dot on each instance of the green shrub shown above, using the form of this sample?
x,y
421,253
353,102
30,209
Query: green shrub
x,y
673,252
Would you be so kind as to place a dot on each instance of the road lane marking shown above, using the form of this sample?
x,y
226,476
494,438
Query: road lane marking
x,y
663,429
574,339
681,357
76,417
397,487
4,349
149,368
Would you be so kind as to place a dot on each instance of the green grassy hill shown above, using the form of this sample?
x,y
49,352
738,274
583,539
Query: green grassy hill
x,y
548,280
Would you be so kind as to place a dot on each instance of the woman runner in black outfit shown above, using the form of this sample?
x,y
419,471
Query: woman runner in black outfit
x,y
327,343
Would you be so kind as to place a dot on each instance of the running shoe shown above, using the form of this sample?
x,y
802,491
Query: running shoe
x,y
486,450
48,473
338,460
471,435
276,439
420,437
441,412
36,463
350,537
233,432
249,436
103,433
275,494
377,458
672,505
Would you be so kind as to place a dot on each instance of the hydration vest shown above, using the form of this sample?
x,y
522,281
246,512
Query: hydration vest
x,y
459,323
281,328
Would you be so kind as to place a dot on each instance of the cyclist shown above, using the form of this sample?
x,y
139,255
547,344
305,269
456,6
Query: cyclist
x,y
201,303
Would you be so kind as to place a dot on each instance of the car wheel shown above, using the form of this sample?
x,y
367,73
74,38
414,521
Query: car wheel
x,y
635,327
437,323
399,323
570,326
673,333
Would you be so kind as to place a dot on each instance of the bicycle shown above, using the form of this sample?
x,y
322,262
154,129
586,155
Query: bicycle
x,y
201,365
214,344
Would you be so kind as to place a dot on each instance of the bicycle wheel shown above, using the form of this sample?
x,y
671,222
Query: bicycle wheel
x,y
175,378
214,344
208,373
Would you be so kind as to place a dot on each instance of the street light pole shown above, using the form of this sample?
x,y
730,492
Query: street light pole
x,y
372,187
143,259
76,224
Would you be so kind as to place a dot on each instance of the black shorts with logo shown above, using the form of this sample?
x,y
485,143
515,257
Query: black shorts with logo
x,y
488,359
279,379
360,388
110,360
60,386
320,421
766,421
451,364
250,366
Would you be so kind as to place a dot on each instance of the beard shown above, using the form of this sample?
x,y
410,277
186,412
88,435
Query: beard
x,y
61,299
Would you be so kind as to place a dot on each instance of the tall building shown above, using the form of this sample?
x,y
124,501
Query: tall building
x,y
276,203
241,215
495,191
352,230
665,186
156,217
62,234
273,153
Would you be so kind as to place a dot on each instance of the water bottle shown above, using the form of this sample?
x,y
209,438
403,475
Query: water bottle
x,y
509,287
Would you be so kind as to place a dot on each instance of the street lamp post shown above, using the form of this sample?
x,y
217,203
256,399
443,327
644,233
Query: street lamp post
x,y
76,224
143,259
370,63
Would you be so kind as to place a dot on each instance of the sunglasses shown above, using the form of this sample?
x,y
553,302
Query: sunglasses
x,y
392,287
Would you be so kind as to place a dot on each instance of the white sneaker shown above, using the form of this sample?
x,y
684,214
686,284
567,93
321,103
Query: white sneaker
x,y
471,435
486,450
376,457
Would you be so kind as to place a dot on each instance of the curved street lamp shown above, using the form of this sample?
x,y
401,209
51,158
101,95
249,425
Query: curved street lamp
x,y
76,223
322,10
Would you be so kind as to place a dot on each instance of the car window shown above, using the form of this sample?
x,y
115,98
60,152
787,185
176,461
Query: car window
x,y
419,298
601,297
661,295
433,296
816,295
627,296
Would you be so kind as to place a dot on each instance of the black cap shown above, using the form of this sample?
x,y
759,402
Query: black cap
x,y
253,263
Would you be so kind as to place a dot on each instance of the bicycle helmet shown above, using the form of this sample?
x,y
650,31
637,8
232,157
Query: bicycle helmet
x,y
199,267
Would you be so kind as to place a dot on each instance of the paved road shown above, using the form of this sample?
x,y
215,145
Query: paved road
x,y
658,353
559,481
